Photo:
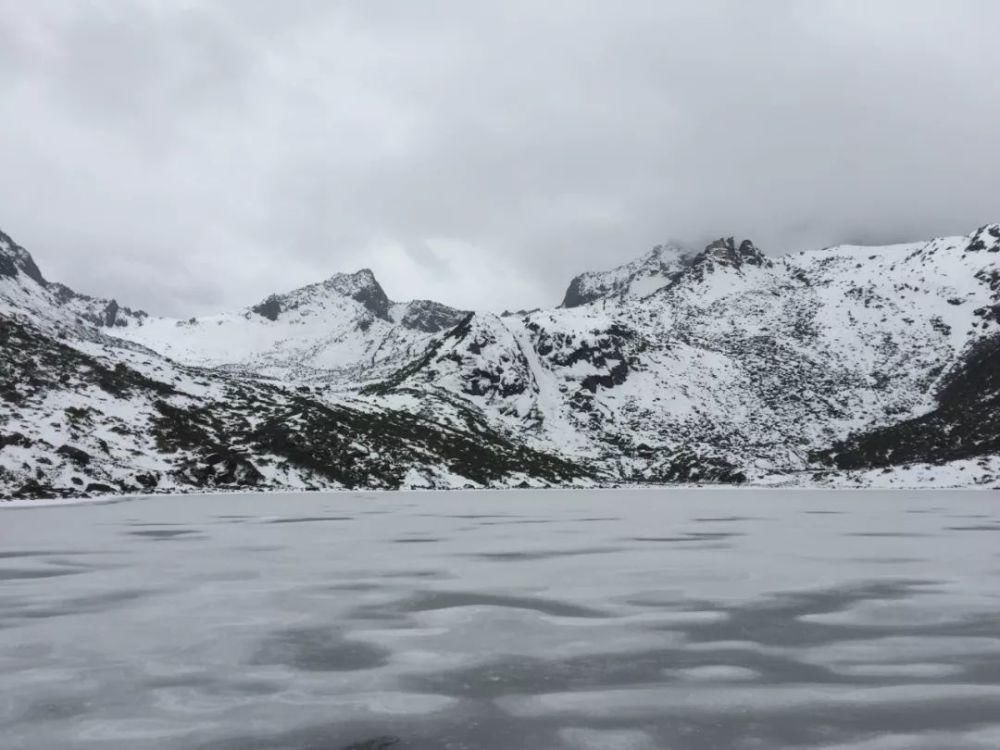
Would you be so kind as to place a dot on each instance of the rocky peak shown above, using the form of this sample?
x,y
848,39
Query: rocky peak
x,y
725,251
639,277
360,286
348,283
363,287
15,260
662,266
722,254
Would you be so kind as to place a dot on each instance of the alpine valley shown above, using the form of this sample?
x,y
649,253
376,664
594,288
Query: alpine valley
x,y
847,366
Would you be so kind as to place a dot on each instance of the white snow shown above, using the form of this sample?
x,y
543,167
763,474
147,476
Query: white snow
x,y
754,367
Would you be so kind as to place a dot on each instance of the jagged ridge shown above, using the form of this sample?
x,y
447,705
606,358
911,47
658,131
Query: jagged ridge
x,y
720,365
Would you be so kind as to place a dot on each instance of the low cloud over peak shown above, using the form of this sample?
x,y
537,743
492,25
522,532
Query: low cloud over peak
x,y
197,156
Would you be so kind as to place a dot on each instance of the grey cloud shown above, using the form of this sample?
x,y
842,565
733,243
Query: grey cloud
x,y
196,156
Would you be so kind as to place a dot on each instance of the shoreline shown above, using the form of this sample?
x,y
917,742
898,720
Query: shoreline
x,y
18,504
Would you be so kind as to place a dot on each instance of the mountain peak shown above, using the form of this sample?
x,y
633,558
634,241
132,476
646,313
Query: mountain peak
x,y
15,260
715,365
661,266
361,277
725,251
636,278
361,286
54,301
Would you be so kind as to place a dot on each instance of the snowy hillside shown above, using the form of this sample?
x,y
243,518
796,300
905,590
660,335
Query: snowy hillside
x,y
92,417
726,365
734,366
345,325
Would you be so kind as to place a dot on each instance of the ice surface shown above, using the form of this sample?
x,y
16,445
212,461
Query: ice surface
x,y
659,619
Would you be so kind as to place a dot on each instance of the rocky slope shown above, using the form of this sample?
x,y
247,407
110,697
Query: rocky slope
x,y
53,306
846,364
92,417
726,364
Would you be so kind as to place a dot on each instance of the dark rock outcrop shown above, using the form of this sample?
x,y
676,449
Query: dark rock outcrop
x,y
147,479
431,317
577,294
985,239
371,295
74,454
34,490
230,468
14,438
269,308
14,259
111,314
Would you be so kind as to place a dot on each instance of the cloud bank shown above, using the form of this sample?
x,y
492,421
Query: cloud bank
x,y
189,157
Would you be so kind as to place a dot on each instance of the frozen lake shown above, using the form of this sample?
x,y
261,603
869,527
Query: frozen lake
x,y
611,620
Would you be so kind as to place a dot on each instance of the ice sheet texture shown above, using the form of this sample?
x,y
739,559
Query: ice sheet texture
x,y
504,620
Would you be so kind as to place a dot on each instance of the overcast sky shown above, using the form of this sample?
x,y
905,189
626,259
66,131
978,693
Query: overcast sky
x,y
190,156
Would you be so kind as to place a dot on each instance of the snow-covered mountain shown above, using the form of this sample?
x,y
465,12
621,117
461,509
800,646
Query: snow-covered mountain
x,y
718,365
345,327
729,364
53,306
635,279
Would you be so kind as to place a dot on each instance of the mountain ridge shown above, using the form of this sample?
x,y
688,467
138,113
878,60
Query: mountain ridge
x,y
721,365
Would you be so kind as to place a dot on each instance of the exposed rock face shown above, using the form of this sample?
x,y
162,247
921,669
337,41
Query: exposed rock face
x,y
76,455
23,278
430,317
985,239
111,314
226,469
269,308
360,286
369,293
14,259
578,293
724,251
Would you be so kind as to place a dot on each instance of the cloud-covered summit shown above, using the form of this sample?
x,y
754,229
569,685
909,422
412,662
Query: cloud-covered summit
x,y
478,153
